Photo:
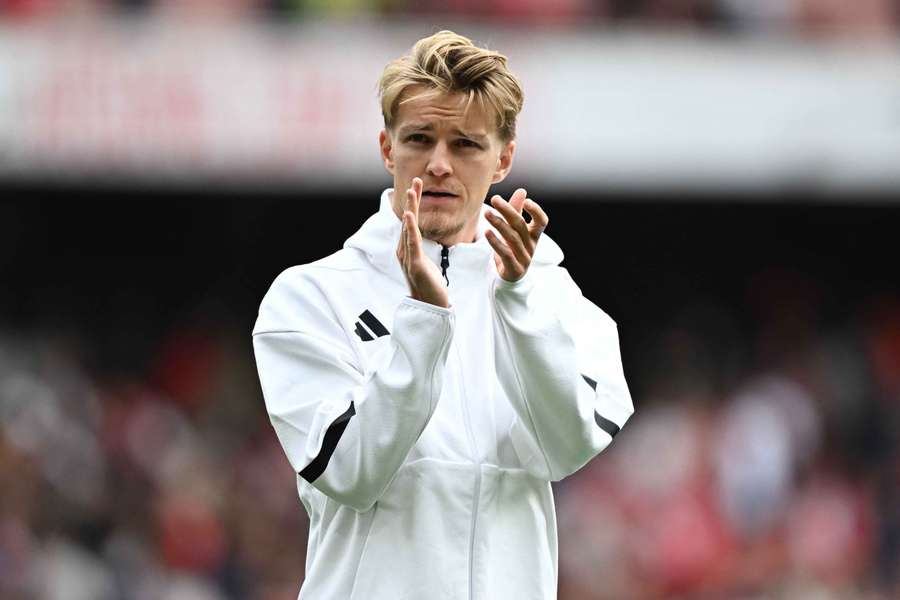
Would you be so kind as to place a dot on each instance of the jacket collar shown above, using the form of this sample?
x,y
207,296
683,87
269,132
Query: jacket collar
x,y
378,237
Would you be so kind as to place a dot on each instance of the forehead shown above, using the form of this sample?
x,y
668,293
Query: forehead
x,y
421,108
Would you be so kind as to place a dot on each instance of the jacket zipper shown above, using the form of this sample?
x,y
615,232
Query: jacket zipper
x,y
445,263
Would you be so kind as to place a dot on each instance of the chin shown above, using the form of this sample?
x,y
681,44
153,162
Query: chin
x,y
436,228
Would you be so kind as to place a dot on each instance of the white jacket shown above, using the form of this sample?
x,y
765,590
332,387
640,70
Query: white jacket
x,y
425,439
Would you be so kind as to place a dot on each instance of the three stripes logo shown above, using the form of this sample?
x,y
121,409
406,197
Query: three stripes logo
x,y
368,327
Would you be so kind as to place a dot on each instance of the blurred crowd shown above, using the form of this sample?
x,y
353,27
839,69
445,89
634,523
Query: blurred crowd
x,y
855,17
759,465
767,470
167,486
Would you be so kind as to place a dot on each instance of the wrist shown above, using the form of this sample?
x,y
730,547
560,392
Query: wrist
x,y
520,286
410,301
442,302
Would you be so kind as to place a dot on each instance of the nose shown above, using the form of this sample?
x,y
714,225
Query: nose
x,y
439,161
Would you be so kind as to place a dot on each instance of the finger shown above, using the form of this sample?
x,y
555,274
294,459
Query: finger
x,y
410,269
539,219
511,268
518,199
416,198
411,205
513,238
413,236
402,245
513,217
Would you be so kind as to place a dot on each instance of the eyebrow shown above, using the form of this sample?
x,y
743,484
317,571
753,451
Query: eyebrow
x,y
414,127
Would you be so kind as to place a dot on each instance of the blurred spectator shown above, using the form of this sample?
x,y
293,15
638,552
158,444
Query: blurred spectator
x,y
874,18
36,9
759,15
767,433
207,10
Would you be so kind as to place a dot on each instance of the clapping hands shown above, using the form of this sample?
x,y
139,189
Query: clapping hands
x,y
513,253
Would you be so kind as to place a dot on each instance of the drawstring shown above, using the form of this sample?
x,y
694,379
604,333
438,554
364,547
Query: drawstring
x,y
445,262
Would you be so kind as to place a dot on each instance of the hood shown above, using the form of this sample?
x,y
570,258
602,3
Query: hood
x,y
378,237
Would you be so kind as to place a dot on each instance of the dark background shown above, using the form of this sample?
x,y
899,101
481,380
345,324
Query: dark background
x,y
117,268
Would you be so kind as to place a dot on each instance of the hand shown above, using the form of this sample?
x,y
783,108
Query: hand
x,y
514,252
422,275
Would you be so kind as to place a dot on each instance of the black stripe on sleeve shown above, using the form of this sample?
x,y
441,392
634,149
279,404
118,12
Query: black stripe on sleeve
x,y
334,433
606,425
373,323
362,333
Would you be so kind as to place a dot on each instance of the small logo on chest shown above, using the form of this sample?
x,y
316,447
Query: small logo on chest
x,y
368,327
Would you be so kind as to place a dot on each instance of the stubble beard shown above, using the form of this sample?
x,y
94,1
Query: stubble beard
x,y
438,227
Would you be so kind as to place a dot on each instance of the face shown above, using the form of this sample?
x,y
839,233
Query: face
x,y
457,154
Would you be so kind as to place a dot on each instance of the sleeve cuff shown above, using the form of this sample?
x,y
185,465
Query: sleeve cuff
x,y
519,287
413,303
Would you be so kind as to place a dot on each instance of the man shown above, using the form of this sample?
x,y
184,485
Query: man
x,y
429,380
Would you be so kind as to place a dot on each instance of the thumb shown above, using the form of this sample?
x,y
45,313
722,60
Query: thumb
x,y
498,263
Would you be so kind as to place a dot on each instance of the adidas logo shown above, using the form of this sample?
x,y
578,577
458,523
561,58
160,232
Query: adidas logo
x,y
368,327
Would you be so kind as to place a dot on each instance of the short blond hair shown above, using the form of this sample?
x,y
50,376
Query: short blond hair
x,y
449,63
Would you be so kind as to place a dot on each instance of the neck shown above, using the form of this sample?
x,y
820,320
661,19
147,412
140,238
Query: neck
x,y
466,235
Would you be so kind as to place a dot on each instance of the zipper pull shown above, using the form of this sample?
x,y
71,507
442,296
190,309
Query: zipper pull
x,y
445,262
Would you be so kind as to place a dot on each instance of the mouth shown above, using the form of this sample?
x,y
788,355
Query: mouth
x,y
438,194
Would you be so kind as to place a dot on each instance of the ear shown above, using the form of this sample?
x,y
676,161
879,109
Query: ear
x,y
387,150
504,161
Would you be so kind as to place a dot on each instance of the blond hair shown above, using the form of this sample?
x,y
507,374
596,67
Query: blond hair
x,y
449,63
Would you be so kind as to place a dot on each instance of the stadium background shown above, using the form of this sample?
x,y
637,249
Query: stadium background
x,y
723,175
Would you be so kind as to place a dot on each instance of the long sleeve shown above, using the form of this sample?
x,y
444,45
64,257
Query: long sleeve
x,y
558,361
345,430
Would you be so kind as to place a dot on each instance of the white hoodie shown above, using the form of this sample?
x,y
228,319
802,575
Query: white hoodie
x,y
425,439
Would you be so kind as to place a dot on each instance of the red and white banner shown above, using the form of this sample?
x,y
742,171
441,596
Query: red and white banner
x,y
152,102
